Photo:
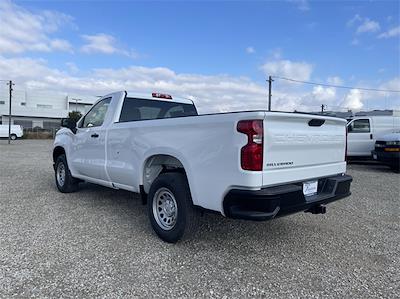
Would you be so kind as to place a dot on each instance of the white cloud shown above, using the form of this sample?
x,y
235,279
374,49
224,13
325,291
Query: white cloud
x,y
357,18
364,25
61,45
335,80
276,54
355,42
382,99
324,94
391,100
211,93
393,84
250,50
287,68
368,26
390,33
22,30
100,43
72,67
105,44
302,5
353,100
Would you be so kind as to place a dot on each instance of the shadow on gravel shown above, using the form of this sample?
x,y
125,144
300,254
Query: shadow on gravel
x,y
369,165
214,229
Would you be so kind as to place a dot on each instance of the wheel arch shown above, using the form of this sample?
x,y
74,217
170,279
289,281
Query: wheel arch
x,y
155,165
57,151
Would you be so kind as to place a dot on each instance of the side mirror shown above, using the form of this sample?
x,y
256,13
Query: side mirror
x,y
69,123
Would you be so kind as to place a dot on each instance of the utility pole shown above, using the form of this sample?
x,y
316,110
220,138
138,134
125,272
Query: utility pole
x,y
269,93
9,111
322,108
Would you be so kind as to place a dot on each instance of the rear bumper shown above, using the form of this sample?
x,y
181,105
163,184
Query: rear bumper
x,y
387,157
282,200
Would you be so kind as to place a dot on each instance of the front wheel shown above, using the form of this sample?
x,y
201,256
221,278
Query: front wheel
x,y
13,137
170,209
65,182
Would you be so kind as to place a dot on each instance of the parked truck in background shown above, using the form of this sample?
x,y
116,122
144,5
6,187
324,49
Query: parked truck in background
x,y
364,131
254,165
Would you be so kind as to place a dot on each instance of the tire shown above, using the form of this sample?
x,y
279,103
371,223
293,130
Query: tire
x,y
170,208
13,137
64,180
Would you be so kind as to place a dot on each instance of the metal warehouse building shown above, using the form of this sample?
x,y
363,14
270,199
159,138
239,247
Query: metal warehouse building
x,y
40,109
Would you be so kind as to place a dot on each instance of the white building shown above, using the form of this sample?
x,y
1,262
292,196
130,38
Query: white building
x,y
32,109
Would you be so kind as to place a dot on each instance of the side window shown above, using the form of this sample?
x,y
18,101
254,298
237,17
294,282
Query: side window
x,y
96,115
359,126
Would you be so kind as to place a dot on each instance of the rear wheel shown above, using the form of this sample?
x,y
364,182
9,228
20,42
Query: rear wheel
x,y
64,180
170,209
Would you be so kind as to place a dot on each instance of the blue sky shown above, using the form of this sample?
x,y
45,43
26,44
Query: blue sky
x,y
169,44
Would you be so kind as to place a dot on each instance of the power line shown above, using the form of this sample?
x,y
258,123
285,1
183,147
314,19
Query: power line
x,y
336,86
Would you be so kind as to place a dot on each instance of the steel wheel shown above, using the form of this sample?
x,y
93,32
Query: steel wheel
x,y
165,208
61,174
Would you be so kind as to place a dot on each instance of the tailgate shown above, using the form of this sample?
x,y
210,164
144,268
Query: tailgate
x,y
302,146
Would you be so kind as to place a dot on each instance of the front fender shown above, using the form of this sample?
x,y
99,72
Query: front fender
x,y
64,139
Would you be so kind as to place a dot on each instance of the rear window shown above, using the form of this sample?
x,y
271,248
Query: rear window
x,y
141,109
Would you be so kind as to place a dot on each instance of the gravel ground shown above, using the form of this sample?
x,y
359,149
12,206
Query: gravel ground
x,y
98,242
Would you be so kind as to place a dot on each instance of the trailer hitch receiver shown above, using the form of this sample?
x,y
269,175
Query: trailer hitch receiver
x,y
318,209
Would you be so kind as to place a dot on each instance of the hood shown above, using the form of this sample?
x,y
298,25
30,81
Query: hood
x,y
390,137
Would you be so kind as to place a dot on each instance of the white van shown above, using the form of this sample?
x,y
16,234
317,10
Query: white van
x,y
16,131
363,131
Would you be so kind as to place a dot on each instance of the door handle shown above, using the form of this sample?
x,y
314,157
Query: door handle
x,y
95,135
370,136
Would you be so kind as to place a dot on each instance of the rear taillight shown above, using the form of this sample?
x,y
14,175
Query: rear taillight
x,y
251,155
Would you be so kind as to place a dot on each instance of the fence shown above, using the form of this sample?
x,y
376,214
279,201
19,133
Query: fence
x,y
40,133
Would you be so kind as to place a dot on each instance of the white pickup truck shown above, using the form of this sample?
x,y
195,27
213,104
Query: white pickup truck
x,y
254,165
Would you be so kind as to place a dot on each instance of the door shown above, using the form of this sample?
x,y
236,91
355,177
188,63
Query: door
x,y
88,154
360,141
3,131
